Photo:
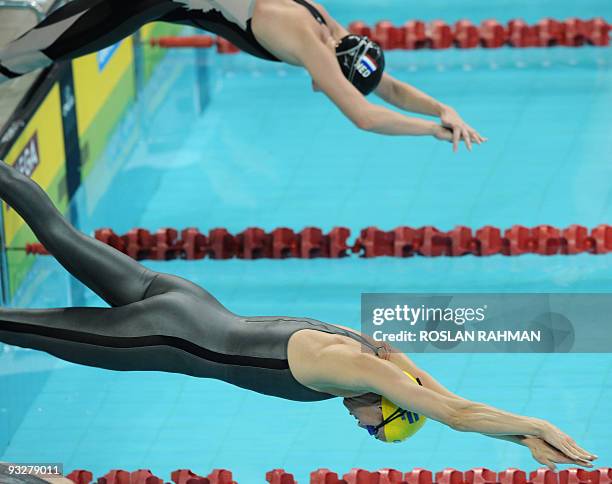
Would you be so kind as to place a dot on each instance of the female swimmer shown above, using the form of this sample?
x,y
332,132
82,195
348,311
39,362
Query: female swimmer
x,y
345,67
160,322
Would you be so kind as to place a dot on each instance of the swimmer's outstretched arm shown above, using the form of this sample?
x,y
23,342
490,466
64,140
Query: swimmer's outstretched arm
x,y
297,43
363,373
411,99
403,362
325,71
541,451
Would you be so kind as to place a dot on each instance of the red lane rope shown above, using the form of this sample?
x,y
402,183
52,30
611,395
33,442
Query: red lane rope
x,y
312,242
463,34
479,475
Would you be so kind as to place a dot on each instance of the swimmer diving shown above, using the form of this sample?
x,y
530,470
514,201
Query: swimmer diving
x,y
344,66
161,322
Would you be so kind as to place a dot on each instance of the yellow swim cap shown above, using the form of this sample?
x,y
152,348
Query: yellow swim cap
x,y
401,423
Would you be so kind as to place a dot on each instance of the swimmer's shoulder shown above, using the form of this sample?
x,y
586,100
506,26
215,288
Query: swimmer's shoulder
x,y
317,339
313,345
320,361
326,338
288,15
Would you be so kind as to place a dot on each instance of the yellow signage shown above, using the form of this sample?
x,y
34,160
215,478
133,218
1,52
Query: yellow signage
x,y
38,153
96,77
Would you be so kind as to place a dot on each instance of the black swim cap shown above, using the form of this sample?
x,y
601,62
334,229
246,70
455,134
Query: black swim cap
x,y
362,62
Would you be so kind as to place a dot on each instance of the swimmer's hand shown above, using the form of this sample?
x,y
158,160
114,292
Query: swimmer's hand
x,y
564,444
442,133
459,129
545,454
446,134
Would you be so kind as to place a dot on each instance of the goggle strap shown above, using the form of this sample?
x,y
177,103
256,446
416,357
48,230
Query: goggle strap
x,y
396,414
361,48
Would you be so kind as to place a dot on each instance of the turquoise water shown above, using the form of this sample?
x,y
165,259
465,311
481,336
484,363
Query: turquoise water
x,y
267,152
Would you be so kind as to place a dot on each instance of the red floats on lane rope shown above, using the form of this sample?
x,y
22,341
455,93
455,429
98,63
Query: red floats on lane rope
x,y
449,476
279,476
142,476
582,476
466,35
199,41
312,242
419,476
80,477
439,35
478,475
416,34
185,476
493,35
490,34
221,476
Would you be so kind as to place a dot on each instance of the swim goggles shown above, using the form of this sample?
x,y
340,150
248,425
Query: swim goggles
x,y
399,413
355,53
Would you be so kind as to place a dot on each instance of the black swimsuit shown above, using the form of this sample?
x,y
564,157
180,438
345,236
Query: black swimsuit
x,y
157,322
85,26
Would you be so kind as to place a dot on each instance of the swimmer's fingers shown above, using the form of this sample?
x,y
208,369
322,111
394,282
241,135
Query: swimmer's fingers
x,y
443,134
580,462
574,452
456,139
590,455
476,137
580,456
571,444
563,446
545,454
548,455
467,138
563,459
557,439
586,455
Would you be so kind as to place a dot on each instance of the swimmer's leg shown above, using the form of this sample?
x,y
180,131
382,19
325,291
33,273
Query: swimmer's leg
x,y
151,335
78,28
114,276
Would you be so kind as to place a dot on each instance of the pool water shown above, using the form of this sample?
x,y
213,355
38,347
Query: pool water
x,y
267,152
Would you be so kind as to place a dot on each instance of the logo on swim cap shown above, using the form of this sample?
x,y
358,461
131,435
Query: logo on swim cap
x,y
362,61
383,419
366,66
